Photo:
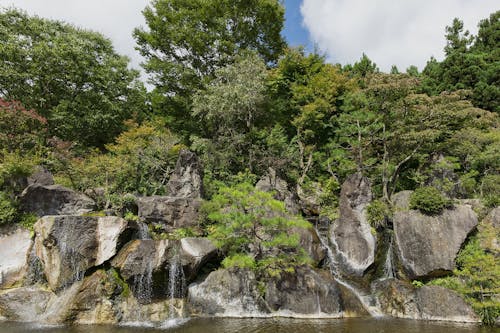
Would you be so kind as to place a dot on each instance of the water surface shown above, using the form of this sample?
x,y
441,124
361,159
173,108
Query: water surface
x,y
281,325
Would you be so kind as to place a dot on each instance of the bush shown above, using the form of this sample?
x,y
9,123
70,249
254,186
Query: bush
x,y
428,200
8,211
378,214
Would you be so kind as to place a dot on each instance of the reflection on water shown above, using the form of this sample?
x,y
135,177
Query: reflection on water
x,y
279,325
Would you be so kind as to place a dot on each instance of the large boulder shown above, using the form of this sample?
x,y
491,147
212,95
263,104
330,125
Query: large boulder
x,y
169,212
26,304
401,300
428,245
187,179
305,292
194,253
69,245
272,183
351,233
401,200
15,247
54,200
311,243
489,231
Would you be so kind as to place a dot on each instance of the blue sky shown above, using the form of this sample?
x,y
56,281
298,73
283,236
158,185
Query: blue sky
x,y
294,32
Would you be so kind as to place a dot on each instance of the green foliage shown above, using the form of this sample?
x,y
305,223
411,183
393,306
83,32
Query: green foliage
x,y
125,289
417,283
71,76
186,41
28,220
378,213
254,230
428,200
8,210
131,217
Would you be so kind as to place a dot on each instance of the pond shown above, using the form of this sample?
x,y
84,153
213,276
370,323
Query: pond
x,y
275,325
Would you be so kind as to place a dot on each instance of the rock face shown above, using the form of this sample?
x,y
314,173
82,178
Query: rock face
x,y
69,245
194,253
402,300
489,231
24,304
171,212
54,200
41,176
234,293
271,182
310,242
401,200
187,179
180,208
351,232
15,248
428,245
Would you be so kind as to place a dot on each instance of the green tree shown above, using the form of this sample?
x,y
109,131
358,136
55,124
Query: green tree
x,y
255,231
186,41
71,76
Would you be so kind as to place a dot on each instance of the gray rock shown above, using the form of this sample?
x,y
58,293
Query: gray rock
x,y
351,233
141,257
305,292
15,247
401,300
230,293
194,253
489,234
310,242
24,304
272,183
170,212
69,245
401,200
187,179
428,245
41,176
54,200
310,198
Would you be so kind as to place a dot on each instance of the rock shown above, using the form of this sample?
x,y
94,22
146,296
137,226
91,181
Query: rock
x,y
493,218
41,176
194,253
54,200
305,292
139,257
351,233
171,212
439,303
187,179
226,293
310,242
401,200
26,304
309,198
15,248
428,245
271,182
69,245
401,300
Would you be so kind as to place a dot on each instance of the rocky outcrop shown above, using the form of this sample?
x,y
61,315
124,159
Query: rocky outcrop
x,y
351,233
402,300
311,243
26,304
54,200
194,253
401,200
187,179
170,212
69,245
237,293
428,245
272,183
489,231
180,207
15,248
310,198
41,176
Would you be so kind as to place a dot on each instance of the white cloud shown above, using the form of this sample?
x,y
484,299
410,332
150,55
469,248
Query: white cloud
x,y
116,19
400,32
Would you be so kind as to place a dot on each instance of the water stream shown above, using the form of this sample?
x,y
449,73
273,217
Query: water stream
x,y
367,300
389,271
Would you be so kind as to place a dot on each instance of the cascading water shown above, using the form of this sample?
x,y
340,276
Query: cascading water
x,y
367,300
175,291
143,231
35,269
143,285
389,271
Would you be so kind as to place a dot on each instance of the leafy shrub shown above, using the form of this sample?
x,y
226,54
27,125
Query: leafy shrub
x,y
378,213
8,211
428,200
253,229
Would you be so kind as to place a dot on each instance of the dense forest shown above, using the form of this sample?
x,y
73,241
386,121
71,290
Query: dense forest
x,y
229,89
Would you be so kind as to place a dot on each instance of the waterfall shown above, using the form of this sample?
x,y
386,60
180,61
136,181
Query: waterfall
x,y
35,268
389,271
143,284
143,231
368,302
176,289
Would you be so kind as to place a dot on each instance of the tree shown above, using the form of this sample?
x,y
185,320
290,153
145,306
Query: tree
x,y
254,230
71,76
188,40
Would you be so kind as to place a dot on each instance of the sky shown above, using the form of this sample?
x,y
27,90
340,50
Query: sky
x,y
390,32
